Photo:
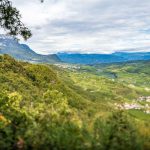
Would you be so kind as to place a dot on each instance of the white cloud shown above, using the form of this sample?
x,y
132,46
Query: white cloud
x,y
98,26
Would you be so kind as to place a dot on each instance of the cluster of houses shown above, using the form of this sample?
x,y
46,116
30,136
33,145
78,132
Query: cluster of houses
x,y
128,106
144,98
67,66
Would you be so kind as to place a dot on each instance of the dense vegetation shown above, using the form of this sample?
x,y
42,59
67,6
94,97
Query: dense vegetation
x,y
10,19
45,107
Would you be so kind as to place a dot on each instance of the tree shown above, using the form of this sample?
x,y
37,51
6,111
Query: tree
x,y
116,133
10,20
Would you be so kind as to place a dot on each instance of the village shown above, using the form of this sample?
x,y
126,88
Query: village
x,y
144,98
68,66
136,105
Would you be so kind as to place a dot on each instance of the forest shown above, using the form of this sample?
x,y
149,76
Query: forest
x,y
46,107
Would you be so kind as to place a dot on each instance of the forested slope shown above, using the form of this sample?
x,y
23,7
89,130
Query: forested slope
x,y
44,107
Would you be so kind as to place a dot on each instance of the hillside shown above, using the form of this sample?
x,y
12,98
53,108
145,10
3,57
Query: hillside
x,y
134,73
68,109
102,58
128,81
8,45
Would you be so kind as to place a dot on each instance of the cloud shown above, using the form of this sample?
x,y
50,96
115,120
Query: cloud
x,y
91,26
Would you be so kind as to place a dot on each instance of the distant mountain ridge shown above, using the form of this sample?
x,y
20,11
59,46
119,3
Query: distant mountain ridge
x,y
8,45
76,58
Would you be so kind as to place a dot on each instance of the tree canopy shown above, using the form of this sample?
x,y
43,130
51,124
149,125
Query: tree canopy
x,y
10,20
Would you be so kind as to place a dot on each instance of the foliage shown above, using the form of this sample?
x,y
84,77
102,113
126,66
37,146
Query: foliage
x,y
116,133
10,19
44,107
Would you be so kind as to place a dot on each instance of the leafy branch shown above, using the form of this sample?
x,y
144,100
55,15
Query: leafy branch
x,y
10,20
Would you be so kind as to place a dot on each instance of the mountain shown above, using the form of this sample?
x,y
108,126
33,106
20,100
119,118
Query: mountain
x,y
102,58
134,56
8,45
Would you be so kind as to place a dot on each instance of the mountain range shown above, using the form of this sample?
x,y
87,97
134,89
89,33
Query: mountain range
x,y
9,45
76,58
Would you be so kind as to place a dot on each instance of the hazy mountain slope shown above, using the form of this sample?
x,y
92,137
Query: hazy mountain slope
x,y
102,58
22,52
88,58
134,56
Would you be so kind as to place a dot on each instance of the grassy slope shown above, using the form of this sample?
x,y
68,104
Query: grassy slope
x,y
136,73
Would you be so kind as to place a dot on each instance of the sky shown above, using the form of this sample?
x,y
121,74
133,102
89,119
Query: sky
x,y
86,26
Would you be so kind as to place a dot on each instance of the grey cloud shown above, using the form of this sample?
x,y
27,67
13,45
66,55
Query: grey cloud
x,y
96,26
